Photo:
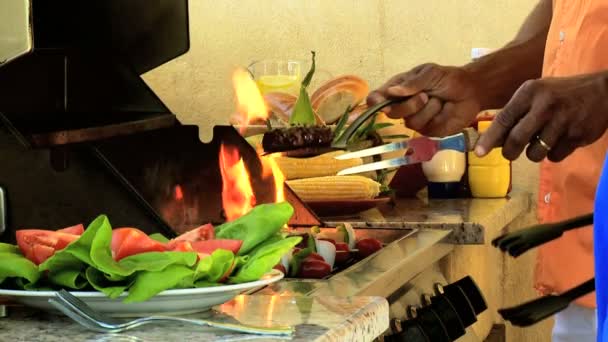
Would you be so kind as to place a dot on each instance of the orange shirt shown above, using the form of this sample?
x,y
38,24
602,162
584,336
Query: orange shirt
x,y
577,44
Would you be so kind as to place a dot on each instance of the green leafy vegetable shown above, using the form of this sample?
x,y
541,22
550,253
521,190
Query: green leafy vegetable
x,y
159,237
78,253
262,222
17,266
214,267
100,283
303,114
8,248
73,279
148,284
264,260
88,262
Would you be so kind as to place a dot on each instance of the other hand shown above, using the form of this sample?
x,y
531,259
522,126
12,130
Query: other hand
x,y
444,100
552,116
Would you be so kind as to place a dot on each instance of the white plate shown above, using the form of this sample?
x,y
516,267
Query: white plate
x,y
170,302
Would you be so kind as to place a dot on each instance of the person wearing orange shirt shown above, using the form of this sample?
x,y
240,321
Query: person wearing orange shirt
x,y
552,83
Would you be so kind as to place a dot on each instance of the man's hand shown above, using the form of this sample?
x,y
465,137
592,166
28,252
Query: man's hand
x,y
553,116
444,100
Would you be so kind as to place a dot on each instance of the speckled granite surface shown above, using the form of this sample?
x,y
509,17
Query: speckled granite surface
x,y
472,220
315,318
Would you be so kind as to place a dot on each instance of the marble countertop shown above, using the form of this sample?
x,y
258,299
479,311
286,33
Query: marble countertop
x,y
471,220
315,319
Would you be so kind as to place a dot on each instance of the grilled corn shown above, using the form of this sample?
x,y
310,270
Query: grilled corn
x,y
318,166
332,188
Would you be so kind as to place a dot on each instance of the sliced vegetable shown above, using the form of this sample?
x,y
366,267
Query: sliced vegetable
x,y
327,250
342,253
300,255
204,232
131,241
209,246
76,230
38,245
316,269
349,234
368,247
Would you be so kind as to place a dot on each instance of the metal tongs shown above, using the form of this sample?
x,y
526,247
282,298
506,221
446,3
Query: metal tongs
x,y
416,150
519,242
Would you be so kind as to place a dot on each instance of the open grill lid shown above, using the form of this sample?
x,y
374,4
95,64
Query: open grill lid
x,y
81,134
70,69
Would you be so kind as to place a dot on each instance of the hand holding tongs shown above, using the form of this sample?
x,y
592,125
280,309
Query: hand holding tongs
x,y
417,150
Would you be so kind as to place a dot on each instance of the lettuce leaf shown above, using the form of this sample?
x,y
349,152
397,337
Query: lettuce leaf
x,y
14,265
77,255
8,248
148,284
264,260
100,283
214,267
159,237
253,228
73,279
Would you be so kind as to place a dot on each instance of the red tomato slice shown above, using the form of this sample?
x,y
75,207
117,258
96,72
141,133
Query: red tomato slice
x,y
180,246
209,246
40,253
131,241
31,241
204,232
76,230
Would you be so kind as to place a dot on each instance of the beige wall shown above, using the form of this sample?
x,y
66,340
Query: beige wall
x,y
372,38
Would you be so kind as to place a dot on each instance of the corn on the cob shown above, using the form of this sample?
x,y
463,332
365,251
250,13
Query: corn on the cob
x,y
333,188
318,166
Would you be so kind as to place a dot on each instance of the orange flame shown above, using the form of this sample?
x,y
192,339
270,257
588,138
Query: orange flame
x,y
250,103
237,193
179,193
270,168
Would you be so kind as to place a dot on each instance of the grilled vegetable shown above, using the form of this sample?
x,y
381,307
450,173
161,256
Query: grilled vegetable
x,y
319,166
332,188
291,138
368,247
312,268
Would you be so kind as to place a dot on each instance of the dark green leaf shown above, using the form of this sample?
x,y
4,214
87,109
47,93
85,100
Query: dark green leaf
x,y
341,123
100,283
